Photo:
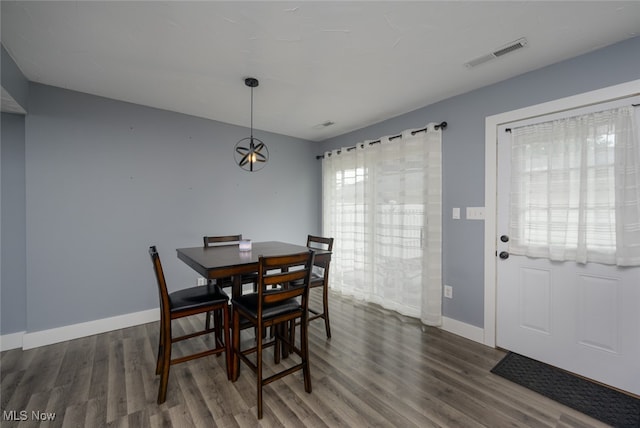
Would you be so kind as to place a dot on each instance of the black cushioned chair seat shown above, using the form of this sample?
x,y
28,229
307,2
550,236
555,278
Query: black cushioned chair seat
x,y
196,297
249,303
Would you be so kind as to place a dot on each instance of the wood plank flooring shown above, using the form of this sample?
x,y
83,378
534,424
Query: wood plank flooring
x,y
378,370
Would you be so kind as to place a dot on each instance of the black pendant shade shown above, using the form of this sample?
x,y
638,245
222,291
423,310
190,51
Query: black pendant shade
x,y
250,153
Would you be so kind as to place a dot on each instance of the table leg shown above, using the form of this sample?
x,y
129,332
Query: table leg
x,y
236,289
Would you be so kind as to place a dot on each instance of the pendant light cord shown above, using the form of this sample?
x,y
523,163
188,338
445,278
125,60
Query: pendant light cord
x,y
252,114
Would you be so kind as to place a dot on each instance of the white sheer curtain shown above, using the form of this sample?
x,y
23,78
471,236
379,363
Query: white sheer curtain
x,y
576,189
383,205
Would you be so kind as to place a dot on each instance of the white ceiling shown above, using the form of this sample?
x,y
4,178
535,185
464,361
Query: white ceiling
x,y
352,63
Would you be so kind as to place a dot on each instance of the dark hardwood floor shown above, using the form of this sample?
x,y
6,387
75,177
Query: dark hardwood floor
x,y
378,370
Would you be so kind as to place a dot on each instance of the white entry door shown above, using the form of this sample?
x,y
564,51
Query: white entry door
x,y
583,318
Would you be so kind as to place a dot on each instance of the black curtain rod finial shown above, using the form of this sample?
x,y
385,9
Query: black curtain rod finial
x,y
442,125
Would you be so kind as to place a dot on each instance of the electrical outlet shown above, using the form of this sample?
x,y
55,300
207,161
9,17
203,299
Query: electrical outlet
x,y
202,281
448,292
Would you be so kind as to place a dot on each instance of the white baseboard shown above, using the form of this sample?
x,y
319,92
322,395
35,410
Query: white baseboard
x,y
465,330
26,340
11,341
60,334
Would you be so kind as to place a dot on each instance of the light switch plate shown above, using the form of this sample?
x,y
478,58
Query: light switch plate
x,y
475,213
456,213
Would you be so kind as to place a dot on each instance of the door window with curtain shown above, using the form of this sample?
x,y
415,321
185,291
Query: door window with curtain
x,y
575,188
383,205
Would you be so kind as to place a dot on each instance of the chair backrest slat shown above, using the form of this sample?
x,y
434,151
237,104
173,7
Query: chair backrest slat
x,y
280,271
319,242
284,277
215,241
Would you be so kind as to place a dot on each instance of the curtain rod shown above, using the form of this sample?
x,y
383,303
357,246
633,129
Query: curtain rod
x,y
632,105
441,125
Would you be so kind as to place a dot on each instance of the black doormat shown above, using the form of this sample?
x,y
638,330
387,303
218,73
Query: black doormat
x,y
598,401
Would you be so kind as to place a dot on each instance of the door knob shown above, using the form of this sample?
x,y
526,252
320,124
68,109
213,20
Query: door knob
x,y
504,255
504,238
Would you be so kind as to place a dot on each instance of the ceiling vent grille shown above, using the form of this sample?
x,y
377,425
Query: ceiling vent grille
x,y
324,124
511,47
518,44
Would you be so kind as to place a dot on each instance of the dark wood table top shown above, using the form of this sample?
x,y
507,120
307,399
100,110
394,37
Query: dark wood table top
x,y
228,260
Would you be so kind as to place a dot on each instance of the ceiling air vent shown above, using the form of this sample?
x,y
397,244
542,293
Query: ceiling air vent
x,y
513,46
324,124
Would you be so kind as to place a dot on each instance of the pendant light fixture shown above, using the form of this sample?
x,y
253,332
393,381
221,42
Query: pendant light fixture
x,y
250,153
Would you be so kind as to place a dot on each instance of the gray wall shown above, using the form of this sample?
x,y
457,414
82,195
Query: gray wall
x,y
463,153
13,303
13,81
12,201
106,179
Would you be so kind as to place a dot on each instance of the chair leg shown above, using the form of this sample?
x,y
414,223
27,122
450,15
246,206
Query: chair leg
x,y
304,348
292,337
160,349
259,374
218,326
227,340
235,351
325,308
166,364
276,332
210,314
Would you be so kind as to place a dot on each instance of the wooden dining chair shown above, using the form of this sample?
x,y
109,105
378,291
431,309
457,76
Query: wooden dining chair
x,y
217,241
320,278
277,303
185,303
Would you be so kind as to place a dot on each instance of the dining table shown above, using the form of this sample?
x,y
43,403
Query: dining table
x,y
229,261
